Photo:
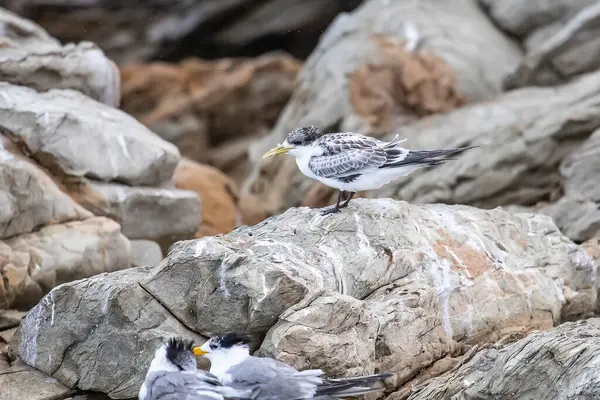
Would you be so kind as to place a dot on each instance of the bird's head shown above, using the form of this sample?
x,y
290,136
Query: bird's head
x,y
228,348
174,355
297,142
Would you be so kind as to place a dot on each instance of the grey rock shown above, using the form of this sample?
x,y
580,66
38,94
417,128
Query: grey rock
x,y
577,219
25,33
122,327
10,318
145,252
29,57
581,168
29,198
561,363
577,214
20,381
384,285
524,136
75,135
524,17
146,212
560,37
31,264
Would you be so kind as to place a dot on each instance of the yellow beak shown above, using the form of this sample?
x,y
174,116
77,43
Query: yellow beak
x,y
276,150
199,352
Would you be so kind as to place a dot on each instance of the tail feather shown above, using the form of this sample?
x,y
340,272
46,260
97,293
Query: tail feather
x,y
350,387
423,157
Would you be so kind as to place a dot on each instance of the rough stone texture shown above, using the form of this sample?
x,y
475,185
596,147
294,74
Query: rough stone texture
x,y
122,327
522,18
145,212
523,137
201,106
69,132
560,38
578,212
29,57
561,363
145,252
10,318
20,381
32,264
29,198
218,193
422,283
173,29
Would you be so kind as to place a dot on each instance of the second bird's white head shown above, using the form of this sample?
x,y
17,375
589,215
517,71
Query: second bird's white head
x,y
224,351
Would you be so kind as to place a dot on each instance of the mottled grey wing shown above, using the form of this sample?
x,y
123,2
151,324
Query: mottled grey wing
x,y
274,379
181,386
346,155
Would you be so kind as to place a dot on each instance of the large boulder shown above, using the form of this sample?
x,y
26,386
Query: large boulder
x,y
561,363
31,264
523,136
122,327
30,57
384,285
74,135
560,38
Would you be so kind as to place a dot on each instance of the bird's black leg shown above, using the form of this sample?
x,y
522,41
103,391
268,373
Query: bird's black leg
x,y
335,208
345,203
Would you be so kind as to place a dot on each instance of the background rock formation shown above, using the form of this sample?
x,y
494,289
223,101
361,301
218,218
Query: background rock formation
x,y
133,31
211,110
31,57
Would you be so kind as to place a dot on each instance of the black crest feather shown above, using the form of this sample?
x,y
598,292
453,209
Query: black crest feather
x,y
304,135
232,339
176,346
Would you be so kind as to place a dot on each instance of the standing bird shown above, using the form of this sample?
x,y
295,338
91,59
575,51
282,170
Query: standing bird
x,y
173,375
232,363
351,162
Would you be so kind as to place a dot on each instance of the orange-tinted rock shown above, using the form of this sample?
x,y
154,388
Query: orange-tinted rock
x,y
199,105
403,86
217,192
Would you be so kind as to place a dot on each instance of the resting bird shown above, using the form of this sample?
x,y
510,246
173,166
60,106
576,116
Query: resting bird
x,y
232,363
351,162
173,375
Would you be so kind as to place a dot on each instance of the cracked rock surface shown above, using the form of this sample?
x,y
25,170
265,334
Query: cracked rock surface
x,y
568,356
424,283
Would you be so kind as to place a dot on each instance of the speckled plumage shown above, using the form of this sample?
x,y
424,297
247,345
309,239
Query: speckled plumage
x,y
352,162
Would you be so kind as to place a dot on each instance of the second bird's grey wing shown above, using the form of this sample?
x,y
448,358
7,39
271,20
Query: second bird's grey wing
x,y
274,380
347,155
165,385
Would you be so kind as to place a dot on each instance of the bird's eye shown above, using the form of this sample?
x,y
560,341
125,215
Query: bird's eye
x,y
213,346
